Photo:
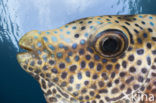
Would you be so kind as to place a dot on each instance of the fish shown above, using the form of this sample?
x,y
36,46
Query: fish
x,y
101,59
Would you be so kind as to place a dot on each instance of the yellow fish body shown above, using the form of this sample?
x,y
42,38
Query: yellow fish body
x,y
102,59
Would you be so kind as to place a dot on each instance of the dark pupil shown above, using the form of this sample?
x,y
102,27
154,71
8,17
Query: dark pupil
x,y
110,45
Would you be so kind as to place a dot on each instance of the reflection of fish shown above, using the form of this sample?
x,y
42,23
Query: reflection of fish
x,y
93,60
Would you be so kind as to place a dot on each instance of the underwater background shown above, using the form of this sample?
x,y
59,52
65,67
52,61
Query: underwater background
x,y
20,16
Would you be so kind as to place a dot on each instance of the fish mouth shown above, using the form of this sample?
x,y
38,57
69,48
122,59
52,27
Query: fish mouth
x,y
26,45
25,55
24,49
27,49
28,41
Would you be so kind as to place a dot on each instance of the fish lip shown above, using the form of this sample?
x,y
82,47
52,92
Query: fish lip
x,y
27,51
26,48
23,57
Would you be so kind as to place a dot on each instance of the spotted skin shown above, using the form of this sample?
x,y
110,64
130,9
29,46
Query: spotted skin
x,y
70,67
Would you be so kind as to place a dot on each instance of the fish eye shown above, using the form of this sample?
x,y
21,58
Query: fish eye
x,y
111,43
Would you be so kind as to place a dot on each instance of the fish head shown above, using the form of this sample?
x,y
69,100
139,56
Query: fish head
x,y
101,58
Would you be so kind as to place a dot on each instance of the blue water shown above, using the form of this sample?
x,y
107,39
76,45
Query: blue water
x,y
20,16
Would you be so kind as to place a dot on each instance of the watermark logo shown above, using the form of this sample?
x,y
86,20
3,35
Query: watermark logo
x,y
138,96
